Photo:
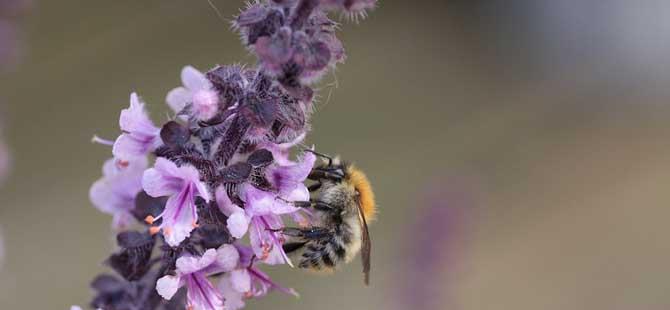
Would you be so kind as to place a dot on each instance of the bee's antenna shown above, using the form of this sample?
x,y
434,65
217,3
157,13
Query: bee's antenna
x,y
330,159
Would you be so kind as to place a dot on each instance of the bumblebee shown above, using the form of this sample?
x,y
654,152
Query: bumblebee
x,y
342,203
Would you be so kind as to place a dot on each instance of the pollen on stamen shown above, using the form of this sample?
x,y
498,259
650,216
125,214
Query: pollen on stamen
x,y
195,224
266,251
149,219
154,230
121,164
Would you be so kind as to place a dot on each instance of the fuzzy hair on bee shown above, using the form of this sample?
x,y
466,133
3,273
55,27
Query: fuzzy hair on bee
x,y
342,204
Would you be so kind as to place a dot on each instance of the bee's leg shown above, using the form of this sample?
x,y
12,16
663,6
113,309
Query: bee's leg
x,y
315,187
320,205
293,246
317,205
313,233
330,159
300,204
318,174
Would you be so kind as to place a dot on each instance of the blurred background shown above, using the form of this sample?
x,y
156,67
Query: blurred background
x,y
519,149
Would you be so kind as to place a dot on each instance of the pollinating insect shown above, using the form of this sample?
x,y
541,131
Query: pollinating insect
x,y
342,203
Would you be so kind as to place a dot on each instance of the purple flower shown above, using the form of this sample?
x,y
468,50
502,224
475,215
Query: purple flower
x,y
197,93
308,56
247,281
262,216
115,192
288,176
263,209
192,272
281,151
182,185
140,136
295,46
238,220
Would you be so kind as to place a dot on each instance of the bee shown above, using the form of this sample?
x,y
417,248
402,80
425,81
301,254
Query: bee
x,y
342,203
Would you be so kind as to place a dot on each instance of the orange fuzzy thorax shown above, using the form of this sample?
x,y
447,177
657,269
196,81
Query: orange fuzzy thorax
x,y
367,198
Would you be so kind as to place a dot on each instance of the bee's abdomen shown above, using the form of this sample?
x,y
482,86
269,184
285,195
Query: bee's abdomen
x,y
324,254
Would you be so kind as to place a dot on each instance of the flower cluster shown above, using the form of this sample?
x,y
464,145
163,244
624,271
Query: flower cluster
x,y
218,170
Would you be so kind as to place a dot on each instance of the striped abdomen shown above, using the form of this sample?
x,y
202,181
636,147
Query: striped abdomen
x,y
327,253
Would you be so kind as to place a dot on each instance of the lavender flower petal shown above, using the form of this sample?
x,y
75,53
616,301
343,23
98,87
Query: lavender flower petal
x,y
197,93
167,286
246,281
140,136
115,192
192,273
234,299
287,175
238,221
182,185
178,98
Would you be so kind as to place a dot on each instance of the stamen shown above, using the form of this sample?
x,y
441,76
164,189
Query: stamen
x,y
154,230
122,164
266,251
252,260
195,224
149,219
102,141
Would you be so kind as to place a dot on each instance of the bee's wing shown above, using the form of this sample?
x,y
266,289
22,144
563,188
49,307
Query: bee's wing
x,y
366,247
